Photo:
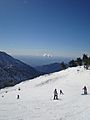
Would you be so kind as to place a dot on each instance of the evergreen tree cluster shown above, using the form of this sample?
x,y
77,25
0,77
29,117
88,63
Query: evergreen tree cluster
x,y
85,60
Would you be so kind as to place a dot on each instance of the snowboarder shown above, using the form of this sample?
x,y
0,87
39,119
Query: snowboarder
x,y
85,90
55,94
61,92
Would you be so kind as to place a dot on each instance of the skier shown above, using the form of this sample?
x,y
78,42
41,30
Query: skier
x,y
55,94
61,92
85,90
17,96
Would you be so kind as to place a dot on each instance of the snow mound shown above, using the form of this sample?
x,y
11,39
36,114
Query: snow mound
x,y
36,97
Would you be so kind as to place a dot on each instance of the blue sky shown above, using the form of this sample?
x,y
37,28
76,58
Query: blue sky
x,y
35,27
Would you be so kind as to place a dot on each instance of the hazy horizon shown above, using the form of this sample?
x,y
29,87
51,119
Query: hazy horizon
x,y
41,60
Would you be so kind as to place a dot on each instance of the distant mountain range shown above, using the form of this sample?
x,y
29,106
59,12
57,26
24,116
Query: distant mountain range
x,y
13,71
50,68
41,60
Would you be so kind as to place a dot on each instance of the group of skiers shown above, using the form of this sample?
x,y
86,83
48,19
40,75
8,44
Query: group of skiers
x,y
56,94
61,92
17,96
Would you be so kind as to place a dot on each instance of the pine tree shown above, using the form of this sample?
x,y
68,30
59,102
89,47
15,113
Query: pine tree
x,y
63,65
72,63
79,61
86,61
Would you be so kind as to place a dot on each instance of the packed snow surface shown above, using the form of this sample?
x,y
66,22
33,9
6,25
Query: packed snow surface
x,y
36,97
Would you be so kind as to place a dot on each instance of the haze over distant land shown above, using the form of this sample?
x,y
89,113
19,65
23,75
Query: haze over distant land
x,y
41,60
39,27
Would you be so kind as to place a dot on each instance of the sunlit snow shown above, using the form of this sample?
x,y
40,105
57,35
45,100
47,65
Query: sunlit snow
x,y
36,97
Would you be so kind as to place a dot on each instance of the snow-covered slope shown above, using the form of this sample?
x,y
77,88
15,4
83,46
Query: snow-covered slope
x,y
36,97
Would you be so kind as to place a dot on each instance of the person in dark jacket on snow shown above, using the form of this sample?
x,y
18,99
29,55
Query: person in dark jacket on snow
x,y
85,90
17,96
55,94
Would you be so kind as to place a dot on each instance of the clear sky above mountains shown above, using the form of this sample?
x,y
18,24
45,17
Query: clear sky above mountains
x,y
35,27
